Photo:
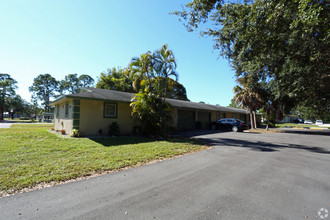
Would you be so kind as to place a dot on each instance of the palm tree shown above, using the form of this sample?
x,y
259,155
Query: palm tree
x,y
141,69
249,99
165,65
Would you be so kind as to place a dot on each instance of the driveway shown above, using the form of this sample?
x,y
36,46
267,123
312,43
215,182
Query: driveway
x,y
243,176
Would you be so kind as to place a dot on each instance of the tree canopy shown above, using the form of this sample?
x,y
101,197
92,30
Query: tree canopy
x,y
175,90
86,80
7,90
150,72
116,79
72,83
285,43
44,88
234,104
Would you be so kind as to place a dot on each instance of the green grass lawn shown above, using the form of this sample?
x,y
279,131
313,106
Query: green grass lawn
x,y
31,155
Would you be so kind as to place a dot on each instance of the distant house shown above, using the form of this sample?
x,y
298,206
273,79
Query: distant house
x,y
47,117
93,110
289,119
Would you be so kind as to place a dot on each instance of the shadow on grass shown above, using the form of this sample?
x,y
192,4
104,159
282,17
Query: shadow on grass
x,y
128,140
264,146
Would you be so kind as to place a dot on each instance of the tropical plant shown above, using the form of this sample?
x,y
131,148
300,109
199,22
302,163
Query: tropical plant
x,y
165,65
75,133
142,72
249,99
153,112
234,104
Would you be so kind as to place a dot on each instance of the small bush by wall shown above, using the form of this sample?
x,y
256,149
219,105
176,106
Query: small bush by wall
x,y
114,129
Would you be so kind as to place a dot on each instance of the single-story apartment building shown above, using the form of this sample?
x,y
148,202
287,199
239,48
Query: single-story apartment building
x,y
93,110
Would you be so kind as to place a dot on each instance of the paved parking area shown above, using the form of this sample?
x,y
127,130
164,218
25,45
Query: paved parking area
x,y
243,176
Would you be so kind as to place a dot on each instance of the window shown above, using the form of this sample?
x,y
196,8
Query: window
x,y
67,109
110,110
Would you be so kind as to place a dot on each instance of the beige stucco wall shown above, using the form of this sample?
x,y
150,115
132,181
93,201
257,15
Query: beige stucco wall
x,y
92,118
60,120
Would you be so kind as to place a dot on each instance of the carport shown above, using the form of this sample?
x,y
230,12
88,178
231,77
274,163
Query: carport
x,y
204,118
187,115
186,120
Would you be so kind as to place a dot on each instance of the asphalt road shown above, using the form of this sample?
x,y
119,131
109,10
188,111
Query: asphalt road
x,y
244,176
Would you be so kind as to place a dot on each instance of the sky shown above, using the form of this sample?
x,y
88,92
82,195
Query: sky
x,y
87,37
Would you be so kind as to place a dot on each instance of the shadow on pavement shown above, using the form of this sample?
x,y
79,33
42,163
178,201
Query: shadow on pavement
x,y
309,132
193,133
264,146
129,140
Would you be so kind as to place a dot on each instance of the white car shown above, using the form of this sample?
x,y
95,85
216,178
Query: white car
x,y
308,122
319,122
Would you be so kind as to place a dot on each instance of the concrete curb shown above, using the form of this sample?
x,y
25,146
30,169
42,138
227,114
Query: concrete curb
x,y
312,128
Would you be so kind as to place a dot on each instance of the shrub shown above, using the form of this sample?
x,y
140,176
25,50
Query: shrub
x,y
154,113
62,131
24,118
114,129
75,133
137,130
171,130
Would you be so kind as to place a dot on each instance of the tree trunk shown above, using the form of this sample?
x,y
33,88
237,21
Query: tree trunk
x,y
251,120
267,126
2,105
255,119
165,86
1,114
